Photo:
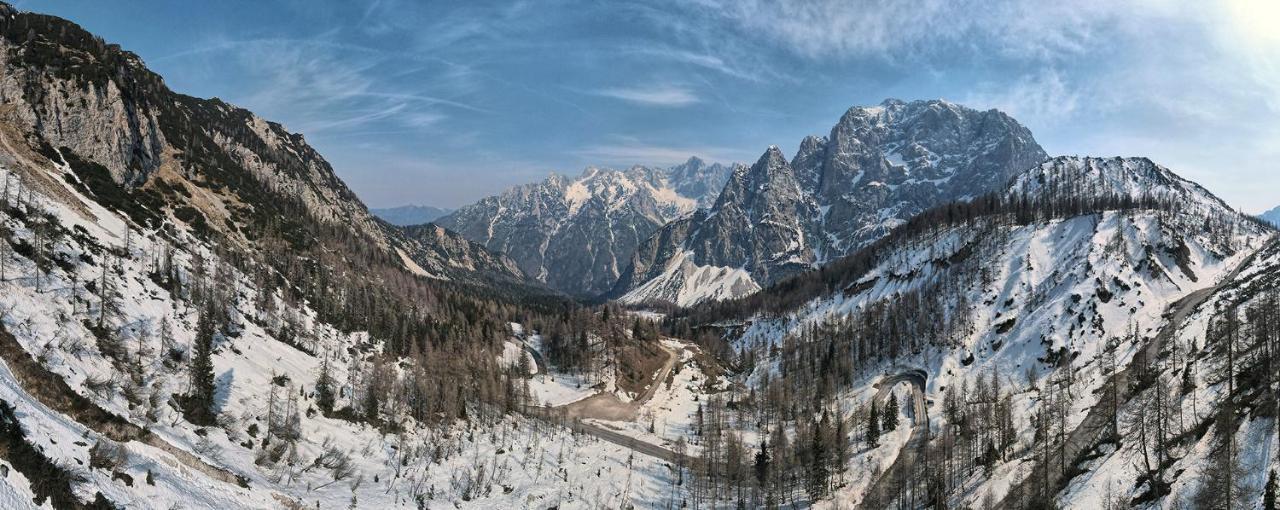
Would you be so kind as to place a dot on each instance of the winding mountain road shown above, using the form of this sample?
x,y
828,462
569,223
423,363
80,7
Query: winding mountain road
x,y
878,494
606,406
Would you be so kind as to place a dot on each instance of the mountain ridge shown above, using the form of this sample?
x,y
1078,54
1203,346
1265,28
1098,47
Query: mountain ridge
x,y
879,166
170,157
575,233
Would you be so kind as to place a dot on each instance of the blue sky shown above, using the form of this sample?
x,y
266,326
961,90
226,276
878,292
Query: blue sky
x,y
441,103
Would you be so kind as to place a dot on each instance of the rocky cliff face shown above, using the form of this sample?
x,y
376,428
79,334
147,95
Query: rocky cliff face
x,y
878,167
577,234
68,98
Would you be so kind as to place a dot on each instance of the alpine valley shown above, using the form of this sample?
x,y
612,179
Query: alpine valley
x,y
921,309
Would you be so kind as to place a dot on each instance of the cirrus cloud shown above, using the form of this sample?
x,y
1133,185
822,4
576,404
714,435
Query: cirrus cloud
x,y
662,95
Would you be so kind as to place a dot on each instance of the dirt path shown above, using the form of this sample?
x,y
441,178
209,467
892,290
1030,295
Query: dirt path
x,y
607,406
878,494
1097,422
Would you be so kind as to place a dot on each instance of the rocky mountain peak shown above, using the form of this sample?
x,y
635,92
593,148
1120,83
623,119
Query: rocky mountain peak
x,y
879,166
576,233
694,163
770,163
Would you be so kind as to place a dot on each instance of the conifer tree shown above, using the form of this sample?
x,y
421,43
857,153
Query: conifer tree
x,y
891,414
199,400
324,389
762,464
819,471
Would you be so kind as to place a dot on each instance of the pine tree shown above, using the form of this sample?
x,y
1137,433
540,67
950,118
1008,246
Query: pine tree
x,y
891,414
324,389
819,472
762,464
1221,483
199,400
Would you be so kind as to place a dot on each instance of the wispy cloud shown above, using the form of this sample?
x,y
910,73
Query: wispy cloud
x,y
905,29
661,95
1040,98
319,85
631,151
727,66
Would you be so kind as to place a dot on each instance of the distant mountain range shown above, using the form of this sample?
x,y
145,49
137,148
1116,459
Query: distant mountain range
x,y
407,215
577,234
1272,216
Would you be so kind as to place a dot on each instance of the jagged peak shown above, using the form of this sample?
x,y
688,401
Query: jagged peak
x,y
772,157
810,145
893,109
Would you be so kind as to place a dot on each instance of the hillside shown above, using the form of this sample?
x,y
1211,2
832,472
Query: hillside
x,y
1015,309
166,158
196,312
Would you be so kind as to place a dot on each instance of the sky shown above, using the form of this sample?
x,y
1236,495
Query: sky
x,y
442,102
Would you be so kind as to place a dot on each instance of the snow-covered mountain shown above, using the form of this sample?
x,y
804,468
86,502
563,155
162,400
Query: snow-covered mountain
x,y
1272,216
577,234
878,167
1013,311
407,215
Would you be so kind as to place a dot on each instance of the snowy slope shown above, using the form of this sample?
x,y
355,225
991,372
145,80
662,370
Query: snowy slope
x,y
994,296
685,283
1111,475
509,462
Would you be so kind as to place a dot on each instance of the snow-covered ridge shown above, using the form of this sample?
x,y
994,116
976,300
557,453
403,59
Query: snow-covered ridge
x,y
1135,178
166,157
575,233
691,284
